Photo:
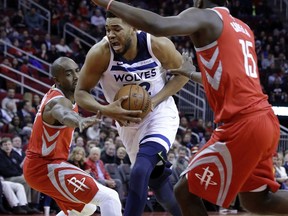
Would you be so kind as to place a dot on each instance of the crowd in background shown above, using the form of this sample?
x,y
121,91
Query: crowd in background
x,y
26,30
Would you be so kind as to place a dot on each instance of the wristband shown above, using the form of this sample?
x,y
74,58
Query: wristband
x,y
109,4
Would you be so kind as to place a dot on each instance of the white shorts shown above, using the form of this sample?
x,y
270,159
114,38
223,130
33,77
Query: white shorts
x,y
159,126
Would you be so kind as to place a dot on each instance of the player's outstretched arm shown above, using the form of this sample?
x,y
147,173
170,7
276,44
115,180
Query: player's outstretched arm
x,y
61,111
186,23
96,63
187,69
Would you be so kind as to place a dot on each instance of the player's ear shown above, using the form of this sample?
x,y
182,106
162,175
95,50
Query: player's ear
x,y
55,80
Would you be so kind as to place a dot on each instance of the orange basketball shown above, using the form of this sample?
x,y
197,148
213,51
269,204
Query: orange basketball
x,y
138,99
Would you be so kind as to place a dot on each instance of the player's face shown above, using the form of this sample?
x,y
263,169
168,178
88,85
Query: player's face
x,y
119,35
68,77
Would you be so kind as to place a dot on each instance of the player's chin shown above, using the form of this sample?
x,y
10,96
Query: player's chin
x,y
119,51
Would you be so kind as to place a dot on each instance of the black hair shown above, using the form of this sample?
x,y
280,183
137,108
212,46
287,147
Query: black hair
x,y
110,15
57,65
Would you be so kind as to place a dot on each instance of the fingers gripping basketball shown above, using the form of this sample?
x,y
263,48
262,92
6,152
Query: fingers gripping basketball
x,y
138,99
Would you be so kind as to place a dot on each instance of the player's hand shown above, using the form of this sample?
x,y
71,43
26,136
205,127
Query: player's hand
x,y
187,67
86,122
115,111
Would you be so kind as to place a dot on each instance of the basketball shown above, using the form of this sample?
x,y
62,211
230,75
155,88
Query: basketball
x,y
138,98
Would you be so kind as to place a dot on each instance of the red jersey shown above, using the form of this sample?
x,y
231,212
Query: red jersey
x,y
49,141
229,71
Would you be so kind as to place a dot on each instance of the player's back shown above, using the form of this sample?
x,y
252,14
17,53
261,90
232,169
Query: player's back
x,y
230,73
49,141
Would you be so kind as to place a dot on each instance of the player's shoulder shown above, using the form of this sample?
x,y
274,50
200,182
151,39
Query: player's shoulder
x,y
101,47
58,102
160,42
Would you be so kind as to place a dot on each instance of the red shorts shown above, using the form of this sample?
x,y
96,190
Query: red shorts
x,y
68,185
237,158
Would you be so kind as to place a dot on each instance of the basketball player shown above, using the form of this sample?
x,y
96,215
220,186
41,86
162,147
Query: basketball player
x,y
238,157
126,56
45,166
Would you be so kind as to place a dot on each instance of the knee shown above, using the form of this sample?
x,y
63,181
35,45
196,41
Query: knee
x,y
138,176
177,190
253,202
115,200
88,209
180,189
249,206
114,196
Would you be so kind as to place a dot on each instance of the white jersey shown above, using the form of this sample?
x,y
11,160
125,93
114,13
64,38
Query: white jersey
x,y
145,70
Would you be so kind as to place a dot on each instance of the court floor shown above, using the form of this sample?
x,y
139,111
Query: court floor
x,y
166,214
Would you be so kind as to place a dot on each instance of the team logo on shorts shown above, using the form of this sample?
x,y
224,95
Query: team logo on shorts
x,y
78,184
206,177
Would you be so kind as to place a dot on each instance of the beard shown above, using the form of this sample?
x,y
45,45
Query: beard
x,y
126,47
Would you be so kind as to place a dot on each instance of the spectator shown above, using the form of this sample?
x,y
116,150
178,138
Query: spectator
x,y
171,157
93,132
63,48
15,126
33,20
11,170
10,98
18,20
109,155
77,157
99,172
5,118
29,48
97,19
90,144
37,42
36,102
187,140
47,42
2,209
182,159
17,146
24,37
52,54
16,197
199,129
15,64
26,111
4,37
43,52
16,50
280,172
107,123
118,142
122,156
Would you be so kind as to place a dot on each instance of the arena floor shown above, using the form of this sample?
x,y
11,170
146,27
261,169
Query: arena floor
x,y
166,214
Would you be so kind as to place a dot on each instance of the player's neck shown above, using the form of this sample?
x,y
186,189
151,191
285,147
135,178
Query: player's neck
x,y
68,94
131,53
